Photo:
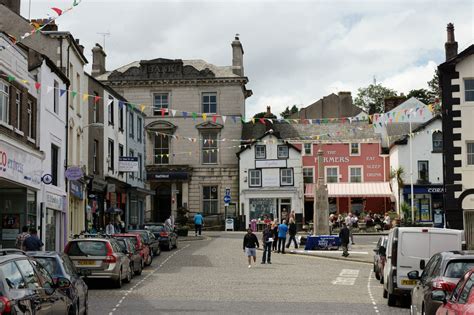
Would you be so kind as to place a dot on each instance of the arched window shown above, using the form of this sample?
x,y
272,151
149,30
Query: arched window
x,y
438,141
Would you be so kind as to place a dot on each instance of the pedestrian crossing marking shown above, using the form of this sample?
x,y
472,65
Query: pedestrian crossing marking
x,y
346,277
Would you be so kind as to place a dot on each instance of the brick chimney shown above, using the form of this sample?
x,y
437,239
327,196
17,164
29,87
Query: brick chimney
x,y
392,102
268,114
52,26
237,57
451,45
98,60
13,5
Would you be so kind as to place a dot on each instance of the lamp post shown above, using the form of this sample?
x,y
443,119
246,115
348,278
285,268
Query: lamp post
x,y
411,172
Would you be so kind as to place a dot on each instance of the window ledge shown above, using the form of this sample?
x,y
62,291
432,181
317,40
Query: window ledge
x,y
31,140
436,151
19,132
6,125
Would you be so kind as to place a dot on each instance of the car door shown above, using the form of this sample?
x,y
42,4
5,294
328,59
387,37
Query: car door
x,y
124,261
22,298
76,280
418,292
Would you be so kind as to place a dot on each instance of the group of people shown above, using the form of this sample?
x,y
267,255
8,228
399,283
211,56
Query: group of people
x,y
352,220
28,240
273,239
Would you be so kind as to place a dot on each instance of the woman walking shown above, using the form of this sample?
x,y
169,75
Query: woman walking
x,y
275,235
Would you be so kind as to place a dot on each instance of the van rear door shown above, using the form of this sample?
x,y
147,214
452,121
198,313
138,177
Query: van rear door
x,y
444,240
413,246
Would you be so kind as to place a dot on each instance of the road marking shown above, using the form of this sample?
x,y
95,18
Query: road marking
x,y
346,277
145,278
369,289
338,252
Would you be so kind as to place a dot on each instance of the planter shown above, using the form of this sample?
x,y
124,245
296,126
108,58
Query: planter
x,y
182,231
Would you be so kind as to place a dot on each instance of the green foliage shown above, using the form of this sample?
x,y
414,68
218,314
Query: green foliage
x,y
264,115
406,210
434,88
423,95
371,98
287,112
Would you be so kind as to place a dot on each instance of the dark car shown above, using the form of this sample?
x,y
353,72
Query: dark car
x,y
150,241
26,287
380,257
461,301
441,273
136,260
60,265
166,235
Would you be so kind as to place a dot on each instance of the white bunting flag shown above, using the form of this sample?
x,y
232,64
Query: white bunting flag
x,y
173,112
49,89
224,118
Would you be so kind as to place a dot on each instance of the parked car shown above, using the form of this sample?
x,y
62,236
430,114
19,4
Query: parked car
x,y
136,261
140,246
380,257
102,257
166,236
26,287
442,272
60,265
461,301
150,241
408,249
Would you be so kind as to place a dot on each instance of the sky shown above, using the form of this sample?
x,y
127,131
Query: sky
x,y
295,52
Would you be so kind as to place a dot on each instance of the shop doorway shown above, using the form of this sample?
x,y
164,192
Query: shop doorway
x,y
162,206
284,209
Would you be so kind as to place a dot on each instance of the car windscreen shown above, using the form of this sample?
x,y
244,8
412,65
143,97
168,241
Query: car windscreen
x,y
52,265
457,268
87,248
132,239
122,243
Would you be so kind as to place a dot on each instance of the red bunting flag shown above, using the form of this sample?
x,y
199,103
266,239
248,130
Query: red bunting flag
x,y
262,120
58,11
96,99
162,112
214,118
37,85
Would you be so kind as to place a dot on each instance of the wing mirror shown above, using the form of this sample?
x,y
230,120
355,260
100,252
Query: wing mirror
x,y
438,295
413,275
62,283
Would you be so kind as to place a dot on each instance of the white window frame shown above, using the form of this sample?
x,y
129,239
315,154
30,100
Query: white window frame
x,y
469,154
264,151
326,173
111,155
110,110
312,168
287,151
18,109
213,201
361,173
157,109
282,176
5,95
131,125
255,174
29,113
56,97
358,149
208,110
310,149
209,146
139,128
466,90
157,152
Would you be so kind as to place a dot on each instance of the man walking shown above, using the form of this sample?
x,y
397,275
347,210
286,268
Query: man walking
x,y
250,246
32,243
292,233
282,230
198,223
20,239
267,240
344,234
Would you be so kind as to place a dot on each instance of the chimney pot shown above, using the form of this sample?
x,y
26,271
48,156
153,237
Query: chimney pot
x,y
98,60
451,45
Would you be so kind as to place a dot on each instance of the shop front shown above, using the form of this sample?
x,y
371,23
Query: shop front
x,y
136,207
76,208
428,200
115,203
96,204
55,221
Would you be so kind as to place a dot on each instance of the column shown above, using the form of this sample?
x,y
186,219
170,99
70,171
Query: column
x,y
184,194
174,201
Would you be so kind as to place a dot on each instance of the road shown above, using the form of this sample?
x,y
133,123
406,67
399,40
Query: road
x,y
212,276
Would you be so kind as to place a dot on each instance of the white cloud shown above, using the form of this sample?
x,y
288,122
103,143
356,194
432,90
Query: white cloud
x,y
411,78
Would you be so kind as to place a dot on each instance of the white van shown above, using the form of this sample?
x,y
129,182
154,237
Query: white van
x,y
410,248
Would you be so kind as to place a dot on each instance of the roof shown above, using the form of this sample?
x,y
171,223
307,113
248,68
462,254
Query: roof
x,y
367,189
458,253
410,103
403,129
106,87
71,39
459,57
269,133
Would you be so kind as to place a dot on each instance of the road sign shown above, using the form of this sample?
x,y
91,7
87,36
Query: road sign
x,y
227,191
226,199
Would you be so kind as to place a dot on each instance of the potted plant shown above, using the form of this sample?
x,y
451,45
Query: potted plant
x,y
182,221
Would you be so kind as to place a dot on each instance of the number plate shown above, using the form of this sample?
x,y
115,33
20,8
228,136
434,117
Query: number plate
x,y
408,282
87,262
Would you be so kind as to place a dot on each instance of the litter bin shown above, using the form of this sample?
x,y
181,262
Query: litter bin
x,y
229,224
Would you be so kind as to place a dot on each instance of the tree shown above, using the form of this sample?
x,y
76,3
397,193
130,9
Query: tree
x,y
397,174
264,115
371,98
423,95
434,88
288,112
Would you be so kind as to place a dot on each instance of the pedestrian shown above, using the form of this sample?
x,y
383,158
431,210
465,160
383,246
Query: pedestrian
x,y
344,234
20,239
168,222
282,230
292,233
348,222
110,228
275,235
267,240
250,246
32,243
198,223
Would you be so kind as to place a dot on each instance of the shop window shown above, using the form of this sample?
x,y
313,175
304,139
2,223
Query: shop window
x,y
260,152
121,117
308,175
255,178
332,175
4,102
282,152
437,138
423,172
209,103
355,174
470,153
355,149
139,129
162,149
160,101
210,200
209,148
469,90
286,177
332,205
357,205
307,149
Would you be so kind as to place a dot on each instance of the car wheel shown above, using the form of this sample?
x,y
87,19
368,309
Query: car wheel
x,y
74,309
176,244
118,282
377,275
381,280
140,268
391,300
385,293
129,275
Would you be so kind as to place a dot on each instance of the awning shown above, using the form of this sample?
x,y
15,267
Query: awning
x,y
381,189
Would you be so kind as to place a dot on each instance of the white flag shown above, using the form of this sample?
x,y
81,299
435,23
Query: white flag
x,y
224,118
49,89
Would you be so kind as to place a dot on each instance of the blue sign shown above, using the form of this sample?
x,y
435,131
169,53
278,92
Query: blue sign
x,y
424,190
226,199
73,173
47,179
76,189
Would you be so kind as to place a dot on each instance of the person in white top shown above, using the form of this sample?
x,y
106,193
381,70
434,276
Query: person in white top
x,y
110,229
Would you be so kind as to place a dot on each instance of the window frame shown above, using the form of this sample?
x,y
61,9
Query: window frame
x,y
259,173
110,154
437,149
468,90
56,97
54,169
210,200
162,150
326,168
131,125
110,110
358,149
131,153
206,147
5,94
139,128
121,125
310,149
157,110
292,176
361,173
209,103
287,152
30,119
312,168
260,146
469,154
95,157
18,98
140,163
420,162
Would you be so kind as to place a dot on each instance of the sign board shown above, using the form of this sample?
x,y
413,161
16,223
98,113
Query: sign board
x,y
10,234
74,173
270,181
226,199
54,201
47,179
76,189
110,188
20,166
227,191
128,164
270,163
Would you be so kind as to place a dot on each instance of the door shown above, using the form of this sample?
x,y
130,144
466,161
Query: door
x,y
162,207
51,226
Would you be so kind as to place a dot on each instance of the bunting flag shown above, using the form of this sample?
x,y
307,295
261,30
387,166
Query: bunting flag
x,y
162,112
142,108
73,93
96,99
37,85
262,121
185,115
173,112
58,11
204,116
253,120
194,116
61,92
214,118
120,104
10,78
223,119
111,100
49,89
85,97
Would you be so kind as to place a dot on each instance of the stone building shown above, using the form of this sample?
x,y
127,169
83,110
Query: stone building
x,y
191,107
330,106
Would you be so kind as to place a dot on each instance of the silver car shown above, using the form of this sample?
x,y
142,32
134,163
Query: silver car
x,y
100,258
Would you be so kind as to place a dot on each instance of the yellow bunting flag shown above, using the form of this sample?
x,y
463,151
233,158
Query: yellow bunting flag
x,y
85,97
204,116
142,107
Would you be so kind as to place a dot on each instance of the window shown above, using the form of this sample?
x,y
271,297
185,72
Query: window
x,y
308,175
209,103
78,90
160,101
139,129
29,113
355,149
464,296
121,150
121,118
18,110
95,157
4,102
131,153
162,149
282,152
332,175
12,276
95,110
307,149
209,200
110,108
260,152
255,178
32,281
56,97
469,90
437,142
131,126
140,161
355,174
54,164
470,153
423,173
111,154
286,177
209,148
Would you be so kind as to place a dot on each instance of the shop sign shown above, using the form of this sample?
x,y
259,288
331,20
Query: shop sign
x,y
424,190
74,173
54,201
76,189
20,166
128,164
10,234
167,175
270,163
98,184
270,181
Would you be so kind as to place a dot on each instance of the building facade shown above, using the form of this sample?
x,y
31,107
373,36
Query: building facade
x,y
187,103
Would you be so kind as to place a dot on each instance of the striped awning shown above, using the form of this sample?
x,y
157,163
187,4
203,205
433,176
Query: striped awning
x,y
376,189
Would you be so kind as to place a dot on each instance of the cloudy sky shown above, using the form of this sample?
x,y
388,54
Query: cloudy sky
x,y
295,51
